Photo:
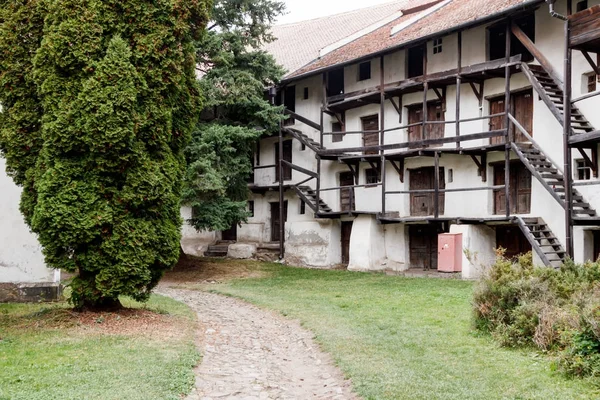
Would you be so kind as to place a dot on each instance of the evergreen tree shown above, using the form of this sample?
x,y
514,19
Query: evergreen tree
x,y
117,87
235,74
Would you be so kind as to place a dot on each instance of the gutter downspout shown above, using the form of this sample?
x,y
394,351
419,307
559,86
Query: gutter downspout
x,y
553,13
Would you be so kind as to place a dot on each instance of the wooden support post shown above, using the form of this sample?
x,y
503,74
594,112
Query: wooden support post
x,y
595,67
321,139
281,194
382,132
436,185
458,83
425,90
595,159
568,175
508,138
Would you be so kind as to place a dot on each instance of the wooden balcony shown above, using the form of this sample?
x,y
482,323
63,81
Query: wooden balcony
x,y
585,30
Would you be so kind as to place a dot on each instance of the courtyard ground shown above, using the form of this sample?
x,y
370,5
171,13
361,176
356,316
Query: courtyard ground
x,y
394,337
49,352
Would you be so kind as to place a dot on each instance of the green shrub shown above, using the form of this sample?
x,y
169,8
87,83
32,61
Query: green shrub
x,y
555,310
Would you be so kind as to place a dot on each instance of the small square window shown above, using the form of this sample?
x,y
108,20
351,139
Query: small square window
x,y
337,127
437,46
302,207
450,175
583,172
372,176
305,93
364,71
251,208
590,82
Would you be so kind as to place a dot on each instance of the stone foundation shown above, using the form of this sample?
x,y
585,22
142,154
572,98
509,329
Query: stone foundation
x,y
29,292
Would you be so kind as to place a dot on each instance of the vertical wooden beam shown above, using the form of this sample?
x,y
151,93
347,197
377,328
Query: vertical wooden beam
x,y
425,90
436,185
507,136
382,131
281,194
568,175
458,83
484,167
323,107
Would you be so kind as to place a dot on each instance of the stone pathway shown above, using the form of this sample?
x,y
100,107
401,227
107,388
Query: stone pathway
x,y
249,353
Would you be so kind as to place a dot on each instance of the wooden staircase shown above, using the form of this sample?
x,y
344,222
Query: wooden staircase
x,y
304,139
219,249
548,174
543,241
309,196
551,93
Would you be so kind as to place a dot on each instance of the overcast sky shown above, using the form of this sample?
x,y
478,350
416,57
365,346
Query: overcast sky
x,y
299,10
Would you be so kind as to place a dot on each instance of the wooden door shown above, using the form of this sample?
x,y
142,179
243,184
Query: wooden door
x,y
423,204
435,112
522,110
520,189
372,138
275,225
347,199
596,235
511,239
415,116
346,232
423,243
287,156
497,123
230,234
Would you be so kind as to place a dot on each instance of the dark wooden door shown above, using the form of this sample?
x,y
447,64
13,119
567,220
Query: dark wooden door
x,y
423,204
522,110
275,225
596,235
497,123
416,61
287,156
346,232
230,234
435,112
415,116
423,243
520,189
347,201
371,138
512,240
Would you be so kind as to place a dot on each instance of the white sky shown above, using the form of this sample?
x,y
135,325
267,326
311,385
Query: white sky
x,y
299,10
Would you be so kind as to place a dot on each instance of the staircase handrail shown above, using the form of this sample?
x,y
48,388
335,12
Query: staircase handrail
x,y
536,144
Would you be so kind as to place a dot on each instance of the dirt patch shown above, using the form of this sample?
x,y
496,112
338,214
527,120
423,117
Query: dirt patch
x,y
126,322
196,270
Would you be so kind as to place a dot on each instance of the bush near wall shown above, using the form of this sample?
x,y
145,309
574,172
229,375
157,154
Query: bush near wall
x,y
555,310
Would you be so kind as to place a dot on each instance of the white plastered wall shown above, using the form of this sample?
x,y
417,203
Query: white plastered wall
x,y
21,259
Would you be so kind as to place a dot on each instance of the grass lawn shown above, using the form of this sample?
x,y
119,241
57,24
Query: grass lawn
x,y
50,352
404,338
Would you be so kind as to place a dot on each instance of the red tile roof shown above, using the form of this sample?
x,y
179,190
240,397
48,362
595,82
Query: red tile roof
x,y
454,14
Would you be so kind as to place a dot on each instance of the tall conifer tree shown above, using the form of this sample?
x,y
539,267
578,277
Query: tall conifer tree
x,y
117,86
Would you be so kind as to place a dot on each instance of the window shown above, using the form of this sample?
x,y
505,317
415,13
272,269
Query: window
x,y
589,81
305,93
496,39
450,175
372,176
303,147
416,64
338,127
583,172
437,46
302,207
364,71
251,208
335,82
582,5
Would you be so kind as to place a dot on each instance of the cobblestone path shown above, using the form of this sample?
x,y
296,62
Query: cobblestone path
x,y
249,353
